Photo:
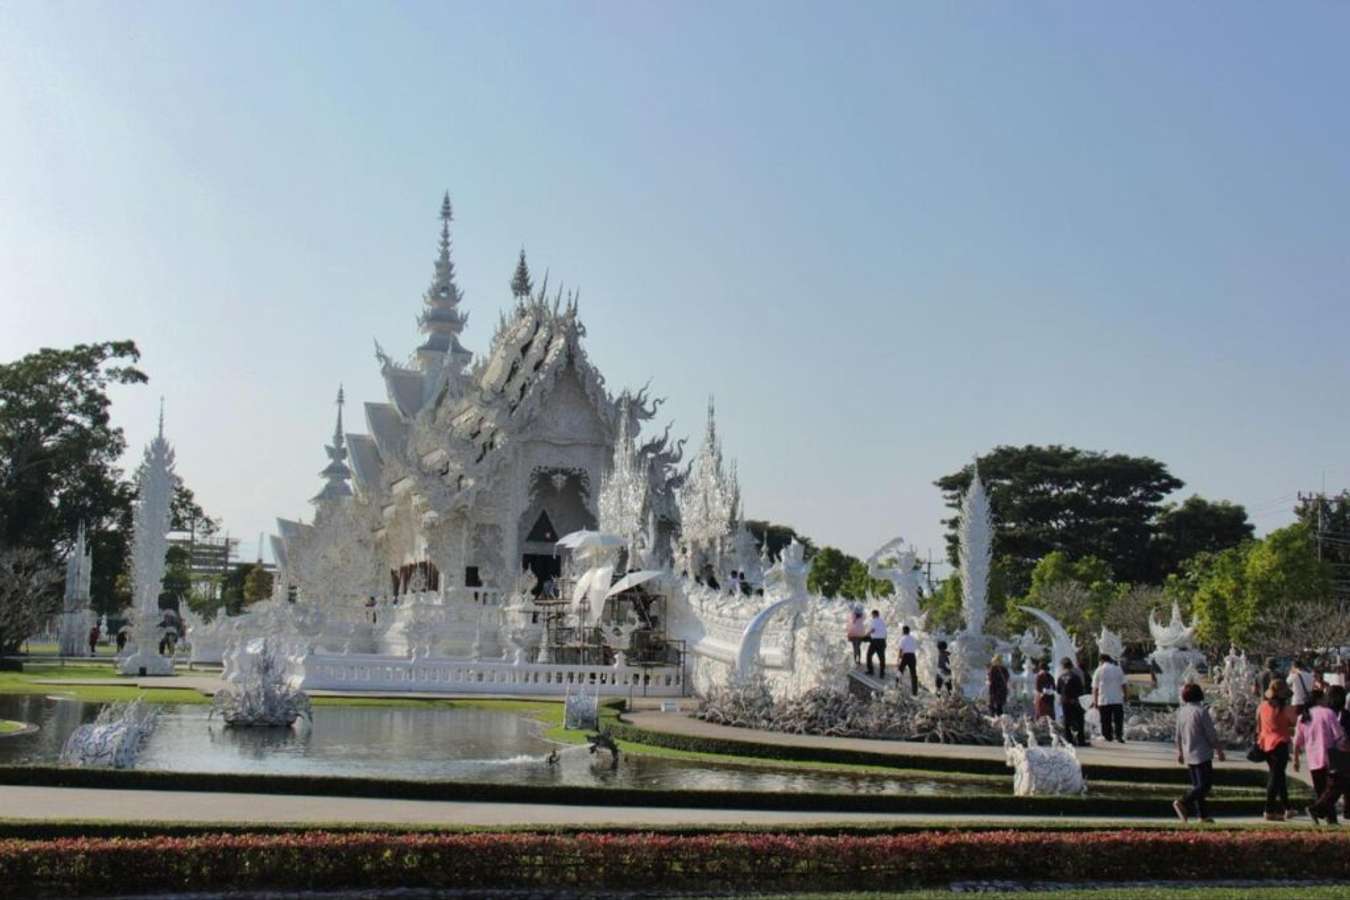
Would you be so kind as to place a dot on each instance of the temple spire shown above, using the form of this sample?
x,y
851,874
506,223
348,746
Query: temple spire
x,y
336,473
441,320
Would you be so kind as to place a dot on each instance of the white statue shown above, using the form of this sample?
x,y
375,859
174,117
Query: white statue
x,y
977,539
785,585
76,616
971,648
905,578
149,544
1110,644
114,739
257,691
1042,771
1173,656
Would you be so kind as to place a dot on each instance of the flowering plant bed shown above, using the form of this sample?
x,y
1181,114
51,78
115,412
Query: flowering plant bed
x,y
736,861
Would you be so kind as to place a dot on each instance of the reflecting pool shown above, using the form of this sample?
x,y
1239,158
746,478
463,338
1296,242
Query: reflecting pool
x,y
411,743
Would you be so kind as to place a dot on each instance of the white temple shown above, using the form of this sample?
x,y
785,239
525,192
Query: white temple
x,y
435,533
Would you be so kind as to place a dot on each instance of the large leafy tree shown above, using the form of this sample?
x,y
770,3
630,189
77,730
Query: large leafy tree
x,y
1236,593
1080,502
1196,525
59,453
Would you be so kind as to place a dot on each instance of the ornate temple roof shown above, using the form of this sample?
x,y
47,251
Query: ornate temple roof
x,y
336,474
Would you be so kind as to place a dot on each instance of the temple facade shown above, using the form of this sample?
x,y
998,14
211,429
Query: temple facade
x,y
471,468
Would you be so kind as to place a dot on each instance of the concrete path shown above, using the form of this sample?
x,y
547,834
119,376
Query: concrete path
x,y
1135,754
188,806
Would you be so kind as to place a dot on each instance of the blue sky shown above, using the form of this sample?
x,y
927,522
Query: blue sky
x,y
885,236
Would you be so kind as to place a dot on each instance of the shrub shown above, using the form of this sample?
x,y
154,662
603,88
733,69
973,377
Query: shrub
x,y
645,861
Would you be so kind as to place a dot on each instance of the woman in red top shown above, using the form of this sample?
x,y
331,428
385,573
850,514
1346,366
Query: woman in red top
x,y
1275,720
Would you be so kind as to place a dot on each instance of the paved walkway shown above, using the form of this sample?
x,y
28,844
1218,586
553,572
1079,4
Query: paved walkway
x,y
1134,754
187,806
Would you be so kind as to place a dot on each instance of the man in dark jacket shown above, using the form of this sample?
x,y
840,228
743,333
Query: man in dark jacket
x,y
1070,688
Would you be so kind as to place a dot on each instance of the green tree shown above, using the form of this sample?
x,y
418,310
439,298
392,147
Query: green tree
x,y
257,584
944,605
835,573
1196,525
1233,592
1330,515
521,285
1077,592
778,536
59,454
177,584
1061,498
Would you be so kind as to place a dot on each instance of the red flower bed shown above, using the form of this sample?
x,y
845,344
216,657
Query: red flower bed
x,y
733,861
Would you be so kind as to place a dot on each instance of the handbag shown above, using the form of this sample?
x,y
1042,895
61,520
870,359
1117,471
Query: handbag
x,y
1256,754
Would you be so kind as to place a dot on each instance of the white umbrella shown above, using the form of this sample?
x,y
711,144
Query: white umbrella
x,y
633,579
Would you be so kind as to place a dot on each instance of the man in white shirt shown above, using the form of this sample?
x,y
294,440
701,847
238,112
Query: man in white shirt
x,y
909,649
1108,695
1301,683
876,642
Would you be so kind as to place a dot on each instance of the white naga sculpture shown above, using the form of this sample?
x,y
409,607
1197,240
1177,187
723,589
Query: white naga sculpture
x,y
114,739
785,586
149,544
1173,656
76,616
257,691
1042,771
1062,645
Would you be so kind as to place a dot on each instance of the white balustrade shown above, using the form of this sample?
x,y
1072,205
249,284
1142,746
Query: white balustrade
x,y
369,672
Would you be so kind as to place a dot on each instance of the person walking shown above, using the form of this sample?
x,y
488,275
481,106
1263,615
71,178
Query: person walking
x,y
93,640
1338,758
856,633
876,643
944,668
1300,686
121,639
1269,674
1045,692
1108,695
1275,721
1070,687
1319,735
909,659
1197,745
998,678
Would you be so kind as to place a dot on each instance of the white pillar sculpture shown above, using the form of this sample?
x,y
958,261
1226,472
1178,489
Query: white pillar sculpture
x,y
149,544
76,616
971,649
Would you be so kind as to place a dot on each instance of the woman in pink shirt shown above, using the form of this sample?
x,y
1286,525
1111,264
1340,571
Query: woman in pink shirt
x,y
1319,733
857,633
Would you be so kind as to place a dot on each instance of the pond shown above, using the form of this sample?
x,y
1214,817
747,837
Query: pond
x,y
432,743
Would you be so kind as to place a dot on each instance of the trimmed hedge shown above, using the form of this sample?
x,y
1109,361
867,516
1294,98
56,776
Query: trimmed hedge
x,y
627,731
646,861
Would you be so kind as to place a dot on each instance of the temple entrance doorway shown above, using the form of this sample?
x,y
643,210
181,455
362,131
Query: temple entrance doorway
x,y
544,566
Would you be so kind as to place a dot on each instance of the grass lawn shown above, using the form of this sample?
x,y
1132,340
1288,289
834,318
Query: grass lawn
x,y
1303,892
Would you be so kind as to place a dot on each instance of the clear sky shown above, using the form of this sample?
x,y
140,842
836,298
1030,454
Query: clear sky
x,y
886,236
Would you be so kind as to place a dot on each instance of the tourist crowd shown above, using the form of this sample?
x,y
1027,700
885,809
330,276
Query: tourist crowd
x,y
1302,718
